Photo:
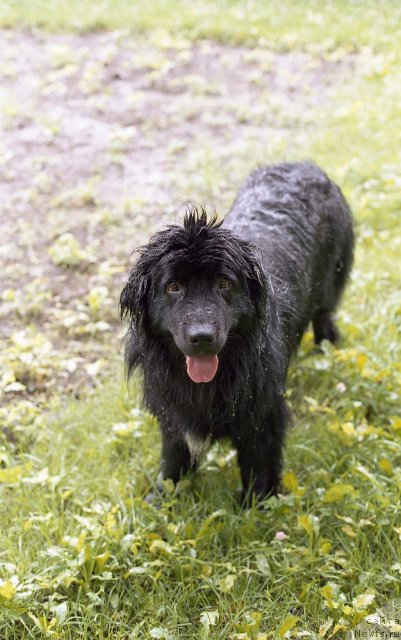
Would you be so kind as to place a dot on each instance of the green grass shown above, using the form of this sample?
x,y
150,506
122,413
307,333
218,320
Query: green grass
x,y
82,555
95,560
279,23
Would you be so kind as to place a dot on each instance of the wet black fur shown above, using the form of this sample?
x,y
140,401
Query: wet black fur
x,y
286,246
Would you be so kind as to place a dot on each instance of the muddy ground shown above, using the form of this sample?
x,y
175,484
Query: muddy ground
x,y
104,138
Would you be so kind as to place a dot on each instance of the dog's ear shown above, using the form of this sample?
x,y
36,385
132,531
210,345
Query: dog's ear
x,y
139,289
256,281
133,299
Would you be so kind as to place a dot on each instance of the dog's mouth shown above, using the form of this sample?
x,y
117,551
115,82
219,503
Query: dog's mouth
x,y
202,368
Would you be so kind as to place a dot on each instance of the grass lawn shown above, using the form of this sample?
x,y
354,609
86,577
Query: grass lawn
x,y
82,555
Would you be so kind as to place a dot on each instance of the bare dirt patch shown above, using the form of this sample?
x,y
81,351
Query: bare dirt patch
x,y
104,138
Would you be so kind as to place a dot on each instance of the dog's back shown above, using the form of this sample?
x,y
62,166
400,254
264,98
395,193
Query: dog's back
x,y
302,224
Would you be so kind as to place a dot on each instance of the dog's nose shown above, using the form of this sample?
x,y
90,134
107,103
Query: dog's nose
x,y
201,336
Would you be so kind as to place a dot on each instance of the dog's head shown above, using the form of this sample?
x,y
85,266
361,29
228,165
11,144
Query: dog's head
x,y
198,284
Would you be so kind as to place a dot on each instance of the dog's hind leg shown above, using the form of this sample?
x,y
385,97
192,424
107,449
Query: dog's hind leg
x,y
323,322
324,327
332,288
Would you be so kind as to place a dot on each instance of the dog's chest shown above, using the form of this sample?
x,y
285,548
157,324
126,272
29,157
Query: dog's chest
x,y
197,445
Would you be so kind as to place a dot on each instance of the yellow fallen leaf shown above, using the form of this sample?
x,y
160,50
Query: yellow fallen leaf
x,y
367,474
386,466
226,584
250,625
337,492
395,422
39,478
336,628
288,623
323,629
123,429
7,590
101,560
349,429
8,295
308,523
330,594
361,361
162,547
11,475
325,548
111,523
290,481
349,531
327,592
209,618
363,600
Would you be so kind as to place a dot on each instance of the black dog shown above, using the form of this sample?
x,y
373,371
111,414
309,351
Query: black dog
x,y
217,309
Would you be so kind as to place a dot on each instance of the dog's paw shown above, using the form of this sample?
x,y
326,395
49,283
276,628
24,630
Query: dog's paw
x,y
325,329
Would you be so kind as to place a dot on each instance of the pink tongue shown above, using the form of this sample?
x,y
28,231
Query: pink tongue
x,y
202,368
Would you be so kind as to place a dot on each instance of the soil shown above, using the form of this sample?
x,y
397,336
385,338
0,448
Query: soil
x,y
105,137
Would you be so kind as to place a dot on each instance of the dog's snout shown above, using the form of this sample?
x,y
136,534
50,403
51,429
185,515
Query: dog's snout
x,y
201,336
201,339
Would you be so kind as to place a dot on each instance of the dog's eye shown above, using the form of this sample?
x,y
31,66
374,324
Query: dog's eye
x,y
223,283
172,286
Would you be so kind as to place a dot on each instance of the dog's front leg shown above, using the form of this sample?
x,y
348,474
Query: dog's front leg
x,y
260,461
176,457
